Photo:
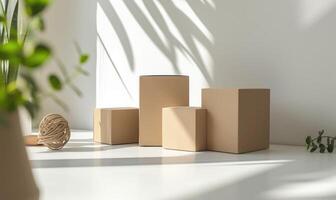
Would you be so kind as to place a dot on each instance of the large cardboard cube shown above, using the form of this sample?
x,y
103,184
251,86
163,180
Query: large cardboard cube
x,y
184,128
116,125
157,92
238,120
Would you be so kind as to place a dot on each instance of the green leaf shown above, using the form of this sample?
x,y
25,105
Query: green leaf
x,y
35,7
322,148
10,51
13,71
55,82
3,19
40,55
84,58
3,98
3,10
313,148
321,132
2,35
14,24
330,147
10,97
319,139
6,5
40,23
308,140
307,146
2,78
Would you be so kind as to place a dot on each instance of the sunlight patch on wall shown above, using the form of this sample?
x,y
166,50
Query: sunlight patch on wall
x,y
312,11
115,80
210,3
152,22
206,57
172,29
194,18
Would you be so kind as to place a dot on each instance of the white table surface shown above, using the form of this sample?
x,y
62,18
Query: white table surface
x,y
84,170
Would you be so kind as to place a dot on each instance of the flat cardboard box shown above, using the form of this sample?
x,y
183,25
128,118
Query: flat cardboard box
x,y
157,92
238,120
116,125
184,128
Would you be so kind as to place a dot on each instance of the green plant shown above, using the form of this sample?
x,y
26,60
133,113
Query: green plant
x,y
322,143
8,32
22,53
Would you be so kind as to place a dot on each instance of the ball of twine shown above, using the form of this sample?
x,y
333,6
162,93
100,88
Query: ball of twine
x,y
54,131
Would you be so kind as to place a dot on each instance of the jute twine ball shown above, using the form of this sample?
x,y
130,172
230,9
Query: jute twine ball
x,y
54,131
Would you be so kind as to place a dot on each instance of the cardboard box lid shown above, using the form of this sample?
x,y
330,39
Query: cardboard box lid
x,y
169,75
119,108
235,89
184,107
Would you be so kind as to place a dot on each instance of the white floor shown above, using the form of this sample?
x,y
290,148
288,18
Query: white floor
x,y
83,170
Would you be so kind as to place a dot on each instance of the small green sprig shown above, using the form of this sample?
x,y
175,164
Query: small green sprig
x,y
322,143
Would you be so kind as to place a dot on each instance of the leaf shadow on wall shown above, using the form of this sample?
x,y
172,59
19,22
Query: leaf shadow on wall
x,y
189,33
259,43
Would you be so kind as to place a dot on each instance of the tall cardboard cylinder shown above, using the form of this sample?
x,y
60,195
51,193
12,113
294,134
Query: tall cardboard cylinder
x,y
157,92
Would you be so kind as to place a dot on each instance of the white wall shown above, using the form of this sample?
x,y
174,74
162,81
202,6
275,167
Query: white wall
x,y
69,21
286,45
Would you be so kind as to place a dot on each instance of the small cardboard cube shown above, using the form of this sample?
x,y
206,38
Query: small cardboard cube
x,y
156,92
184,128
116,125
238,120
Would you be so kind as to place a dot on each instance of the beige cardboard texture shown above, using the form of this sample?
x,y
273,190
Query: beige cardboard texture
x,y
116,125
157,92
184,128
238,120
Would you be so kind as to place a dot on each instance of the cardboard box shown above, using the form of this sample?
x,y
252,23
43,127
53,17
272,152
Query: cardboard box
x,y
184,128
238,120
116,125
157,92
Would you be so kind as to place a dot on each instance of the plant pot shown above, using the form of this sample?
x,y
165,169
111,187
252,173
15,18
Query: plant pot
x,y
17,181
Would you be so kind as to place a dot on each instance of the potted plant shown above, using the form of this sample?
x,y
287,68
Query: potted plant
x,y
323,143
22,53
